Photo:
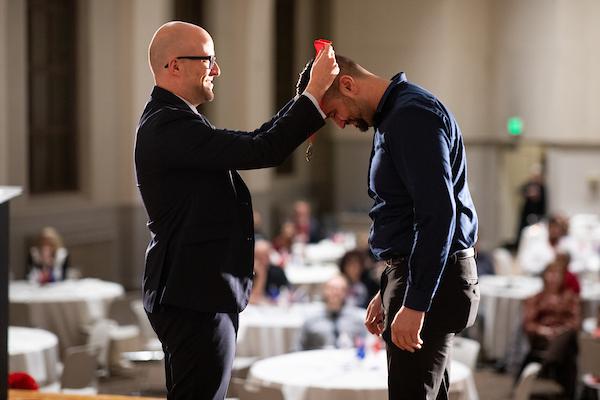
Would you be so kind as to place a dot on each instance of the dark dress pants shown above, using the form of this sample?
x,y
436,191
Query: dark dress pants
x,y
424,374
199,350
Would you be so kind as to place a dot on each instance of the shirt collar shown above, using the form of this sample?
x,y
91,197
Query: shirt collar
x,y
396,80
189,105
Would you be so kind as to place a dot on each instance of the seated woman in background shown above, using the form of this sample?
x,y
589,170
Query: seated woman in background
x,y
48,259
353,266
552,319
269,280
283,241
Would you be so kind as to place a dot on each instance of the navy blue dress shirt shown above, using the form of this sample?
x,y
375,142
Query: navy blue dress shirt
x,y
418,181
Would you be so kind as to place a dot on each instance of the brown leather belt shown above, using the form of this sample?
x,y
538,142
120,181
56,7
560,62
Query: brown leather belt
x,y
458,255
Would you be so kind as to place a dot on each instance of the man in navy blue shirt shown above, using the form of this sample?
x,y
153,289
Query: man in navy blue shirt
x,y
424,224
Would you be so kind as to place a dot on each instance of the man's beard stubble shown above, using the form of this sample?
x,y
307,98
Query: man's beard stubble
x,y
361,124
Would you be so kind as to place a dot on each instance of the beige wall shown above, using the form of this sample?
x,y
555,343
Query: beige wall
x,y
546,64
574,180
441,45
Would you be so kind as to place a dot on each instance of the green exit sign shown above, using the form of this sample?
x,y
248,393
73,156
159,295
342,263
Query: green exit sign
x,y
514,126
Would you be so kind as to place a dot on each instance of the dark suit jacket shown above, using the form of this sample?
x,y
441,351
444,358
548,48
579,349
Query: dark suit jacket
x,y
201,253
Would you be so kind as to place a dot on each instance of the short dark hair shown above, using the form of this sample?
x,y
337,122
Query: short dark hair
x,y
346,65
351,255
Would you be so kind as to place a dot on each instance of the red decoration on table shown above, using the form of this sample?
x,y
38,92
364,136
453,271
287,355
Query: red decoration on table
x,y
22,380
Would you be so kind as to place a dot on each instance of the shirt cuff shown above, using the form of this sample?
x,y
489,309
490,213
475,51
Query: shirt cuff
x,y
315,102
417,300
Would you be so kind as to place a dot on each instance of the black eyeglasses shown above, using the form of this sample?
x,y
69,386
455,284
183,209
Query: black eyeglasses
x,y
212,60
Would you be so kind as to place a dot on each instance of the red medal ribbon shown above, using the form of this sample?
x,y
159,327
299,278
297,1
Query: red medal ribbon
x,y
319,45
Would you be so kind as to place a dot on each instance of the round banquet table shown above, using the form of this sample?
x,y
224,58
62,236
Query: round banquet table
x,y
269,330
63,308
34,351
339,374
501,307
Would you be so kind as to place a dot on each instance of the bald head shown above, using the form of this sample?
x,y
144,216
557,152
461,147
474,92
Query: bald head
x,y
182,59
175,39
335,291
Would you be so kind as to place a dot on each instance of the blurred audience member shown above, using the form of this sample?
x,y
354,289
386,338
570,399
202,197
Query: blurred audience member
x,y
338,325
533,193
374,268
48,259
571,280
21,381
307,229
269,280
541,243
285,238
551,322
353,266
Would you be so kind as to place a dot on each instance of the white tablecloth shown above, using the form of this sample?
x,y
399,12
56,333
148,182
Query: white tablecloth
x,y
501,307
339,374
310,275
308,279
34,351
266,330
589,325
326,251
62,307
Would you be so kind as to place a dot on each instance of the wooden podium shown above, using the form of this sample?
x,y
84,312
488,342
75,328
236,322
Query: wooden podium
x,y
6,194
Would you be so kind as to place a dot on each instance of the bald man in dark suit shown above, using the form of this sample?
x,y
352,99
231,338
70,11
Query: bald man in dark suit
x,y
198,273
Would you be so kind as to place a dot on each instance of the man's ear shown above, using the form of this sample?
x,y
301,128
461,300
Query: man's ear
x,y
347,85
174,67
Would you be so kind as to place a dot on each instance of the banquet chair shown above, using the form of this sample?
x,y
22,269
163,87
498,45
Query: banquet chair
x,y
121,312
466,351
589,354
111,339
589,364
79,372
99,340
235,387
524,386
